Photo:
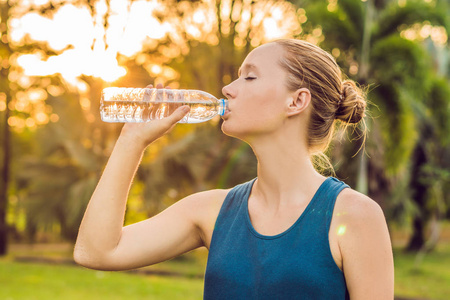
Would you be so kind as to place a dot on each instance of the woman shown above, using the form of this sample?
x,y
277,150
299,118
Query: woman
x,y
289,234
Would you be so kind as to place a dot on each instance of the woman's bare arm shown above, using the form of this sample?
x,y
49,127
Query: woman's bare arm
x,y
365,247
102,241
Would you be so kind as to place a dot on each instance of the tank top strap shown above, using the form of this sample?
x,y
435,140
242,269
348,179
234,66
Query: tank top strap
x,y
235,197
232,212
326,198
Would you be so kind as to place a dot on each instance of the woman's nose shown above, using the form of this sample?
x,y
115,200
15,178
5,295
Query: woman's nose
x,y
227,91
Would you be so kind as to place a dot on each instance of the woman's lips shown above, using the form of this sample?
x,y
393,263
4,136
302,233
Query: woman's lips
x,y
226,115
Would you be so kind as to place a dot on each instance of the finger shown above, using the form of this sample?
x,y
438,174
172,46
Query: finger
x,y
150,86
179,114
159,86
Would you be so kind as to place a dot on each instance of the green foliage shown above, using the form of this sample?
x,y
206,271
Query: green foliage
x,y
402,64
438,105
58,179
404,77
398,128
414,11
342,27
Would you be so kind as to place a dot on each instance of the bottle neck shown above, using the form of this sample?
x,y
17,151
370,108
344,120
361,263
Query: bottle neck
x,y
223,106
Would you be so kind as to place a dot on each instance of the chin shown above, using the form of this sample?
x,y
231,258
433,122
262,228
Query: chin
x,y
230,129
227,130
235,131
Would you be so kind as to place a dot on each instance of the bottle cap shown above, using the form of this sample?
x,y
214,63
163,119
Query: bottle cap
x,y
223,106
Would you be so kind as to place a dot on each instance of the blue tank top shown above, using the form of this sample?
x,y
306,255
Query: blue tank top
x,y
295,264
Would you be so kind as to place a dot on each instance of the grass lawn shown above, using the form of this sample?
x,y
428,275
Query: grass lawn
x,y
28,281
429,280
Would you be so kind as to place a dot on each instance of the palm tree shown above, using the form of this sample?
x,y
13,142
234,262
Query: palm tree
x,y
367,40
430,163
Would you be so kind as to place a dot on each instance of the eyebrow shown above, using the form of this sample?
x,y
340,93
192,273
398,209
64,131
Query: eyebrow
x,y
246,66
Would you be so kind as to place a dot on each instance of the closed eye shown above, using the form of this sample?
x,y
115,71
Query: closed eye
x,y
250,78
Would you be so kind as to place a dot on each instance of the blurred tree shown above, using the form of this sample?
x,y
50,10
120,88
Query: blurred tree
x,y
60,176
372,41
5,99
430,176
69,157
57,180
21,106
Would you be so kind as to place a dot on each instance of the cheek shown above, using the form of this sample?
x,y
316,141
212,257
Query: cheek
x,y
271,102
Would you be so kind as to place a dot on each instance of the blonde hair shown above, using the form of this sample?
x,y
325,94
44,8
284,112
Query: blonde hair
x,y
333,98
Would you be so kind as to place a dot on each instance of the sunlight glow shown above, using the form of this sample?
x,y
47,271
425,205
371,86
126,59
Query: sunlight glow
x,y
354,68
199,17
336,52
332,6
87,48
422,31
2,101
402,3
341,230
54,118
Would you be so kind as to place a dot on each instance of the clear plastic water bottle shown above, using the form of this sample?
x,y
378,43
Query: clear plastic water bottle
x,y
142,105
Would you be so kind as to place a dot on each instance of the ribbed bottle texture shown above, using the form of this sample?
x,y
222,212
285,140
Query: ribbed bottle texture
x,y
142,105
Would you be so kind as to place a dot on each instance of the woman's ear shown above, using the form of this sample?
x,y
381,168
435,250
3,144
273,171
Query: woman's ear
x,y
299,101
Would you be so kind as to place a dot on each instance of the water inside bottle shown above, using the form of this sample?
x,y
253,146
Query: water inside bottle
x,y
134,111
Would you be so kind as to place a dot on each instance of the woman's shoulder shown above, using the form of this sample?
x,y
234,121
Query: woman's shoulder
x,y
204,201
358,216
214,197
356,205
203,209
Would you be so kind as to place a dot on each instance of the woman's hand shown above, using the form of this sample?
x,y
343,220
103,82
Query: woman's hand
x,y
143,134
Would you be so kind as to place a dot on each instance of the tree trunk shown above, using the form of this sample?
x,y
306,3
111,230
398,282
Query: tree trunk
x,y
4,180
4,86
419,197
417,239
362,181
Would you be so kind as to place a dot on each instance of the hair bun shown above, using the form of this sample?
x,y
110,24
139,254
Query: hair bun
x,y
352,104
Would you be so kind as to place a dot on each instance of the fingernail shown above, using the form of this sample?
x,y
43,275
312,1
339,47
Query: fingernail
x,y
186,108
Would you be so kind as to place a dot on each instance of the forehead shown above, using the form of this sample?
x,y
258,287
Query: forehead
x,y
264,57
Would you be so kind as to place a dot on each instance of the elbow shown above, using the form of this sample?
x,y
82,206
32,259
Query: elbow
x,y
81,257
89,259
85,258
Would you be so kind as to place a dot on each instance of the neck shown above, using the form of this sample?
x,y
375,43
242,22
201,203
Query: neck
x,y
285,171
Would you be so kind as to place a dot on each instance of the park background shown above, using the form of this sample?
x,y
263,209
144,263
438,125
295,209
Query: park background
x,y
57,56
